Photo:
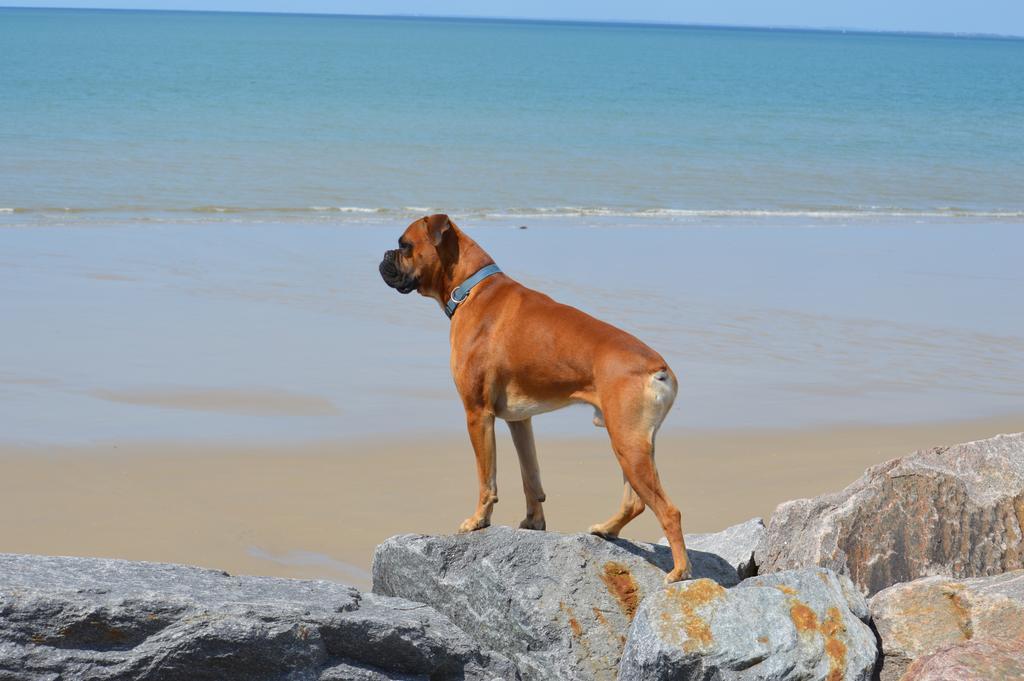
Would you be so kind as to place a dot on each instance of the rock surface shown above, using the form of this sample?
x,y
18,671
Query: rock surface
x,y
558,605
952,510
88,618
920,617
736,544
802,624
983,660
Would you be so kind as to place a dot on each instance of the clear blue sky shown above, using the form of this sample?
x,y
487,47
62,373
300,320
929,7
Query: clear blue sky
x,y
958,16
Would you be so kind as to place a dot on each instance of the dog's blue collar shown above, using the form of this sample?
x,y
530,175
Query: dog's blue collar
x,y
460,292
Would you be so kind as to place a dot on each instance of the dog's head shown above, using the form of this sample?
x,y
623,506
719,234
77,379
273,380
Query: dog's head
x,y
425,250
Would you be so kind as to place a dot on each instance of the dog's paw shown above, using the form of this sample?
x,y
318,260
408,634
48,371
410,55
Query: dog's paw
x,y
678,575
533,524
473,524
602,532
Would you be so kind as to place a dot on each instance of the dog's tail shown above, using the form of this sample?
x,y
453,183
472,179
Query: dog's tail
x,y
661,394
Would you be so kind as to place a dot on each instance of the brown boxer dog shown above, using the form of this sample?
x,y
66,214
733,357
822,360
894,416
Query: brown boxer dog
x,y
517,353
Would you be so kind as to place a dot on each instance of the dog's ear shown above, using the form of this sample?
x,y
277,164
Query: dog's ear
x,y
437,226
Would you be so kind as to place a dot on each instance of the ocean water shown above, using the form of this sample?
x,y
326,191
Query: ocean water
x,y
138,117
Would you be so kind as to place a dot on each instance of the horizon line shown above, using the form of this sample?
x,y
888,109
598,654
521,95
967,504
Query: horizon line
x,y
559,20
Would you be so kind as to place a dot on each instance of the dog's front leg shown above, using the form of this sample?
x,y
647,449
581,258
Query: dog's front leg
x,y
522,438
481,434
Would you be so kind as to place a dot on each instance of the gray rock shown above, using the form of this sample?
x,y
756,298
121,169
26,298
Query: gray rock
x,y
796,625
87,618
921,617
358,672
557,605
955,510
736,544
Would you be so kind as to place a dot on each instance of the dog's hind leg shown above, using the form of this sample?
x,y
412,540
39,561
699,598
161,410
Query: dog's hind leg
x,y
522,437
633,416
631,507
636,456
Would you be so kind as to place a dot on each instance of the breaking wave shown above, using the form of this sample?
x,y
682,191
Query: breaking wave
x,y
326,213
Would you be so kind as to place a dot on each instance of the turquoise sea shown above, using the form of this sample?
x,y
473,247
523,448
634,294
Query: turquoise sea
x,y
130,116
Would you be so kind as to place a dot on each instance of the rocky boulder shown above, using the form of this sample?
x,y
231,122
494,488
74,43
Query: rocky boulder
x,y
951,510
984,660
802,624
558,605
926,615
87,618
736,544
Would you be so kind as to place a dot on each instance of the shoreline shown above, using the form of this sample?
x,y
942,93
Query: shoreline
x,y
318,509
541,218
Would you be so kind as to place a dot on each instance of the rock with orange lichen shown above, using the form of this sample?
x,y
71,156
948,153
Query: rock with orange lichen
x,y
923,616
981,660
558,605
792,581
951,510
799,624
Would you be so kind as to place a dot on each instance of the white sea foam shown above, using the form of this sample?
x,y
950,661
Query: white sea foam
x,y
597,211
52,215
343,209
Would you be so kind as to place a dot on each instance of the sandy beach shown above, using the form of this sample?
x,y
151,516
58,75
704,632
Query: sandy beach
x,y
319,509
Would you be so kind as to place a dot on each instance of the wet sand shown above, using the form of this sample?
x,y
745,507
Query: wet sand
x,y
258,332
319,509
253,402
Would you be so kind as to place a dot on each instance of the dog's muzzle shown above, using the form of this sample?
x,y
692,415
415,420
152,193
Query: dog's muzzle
x,y
395,277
